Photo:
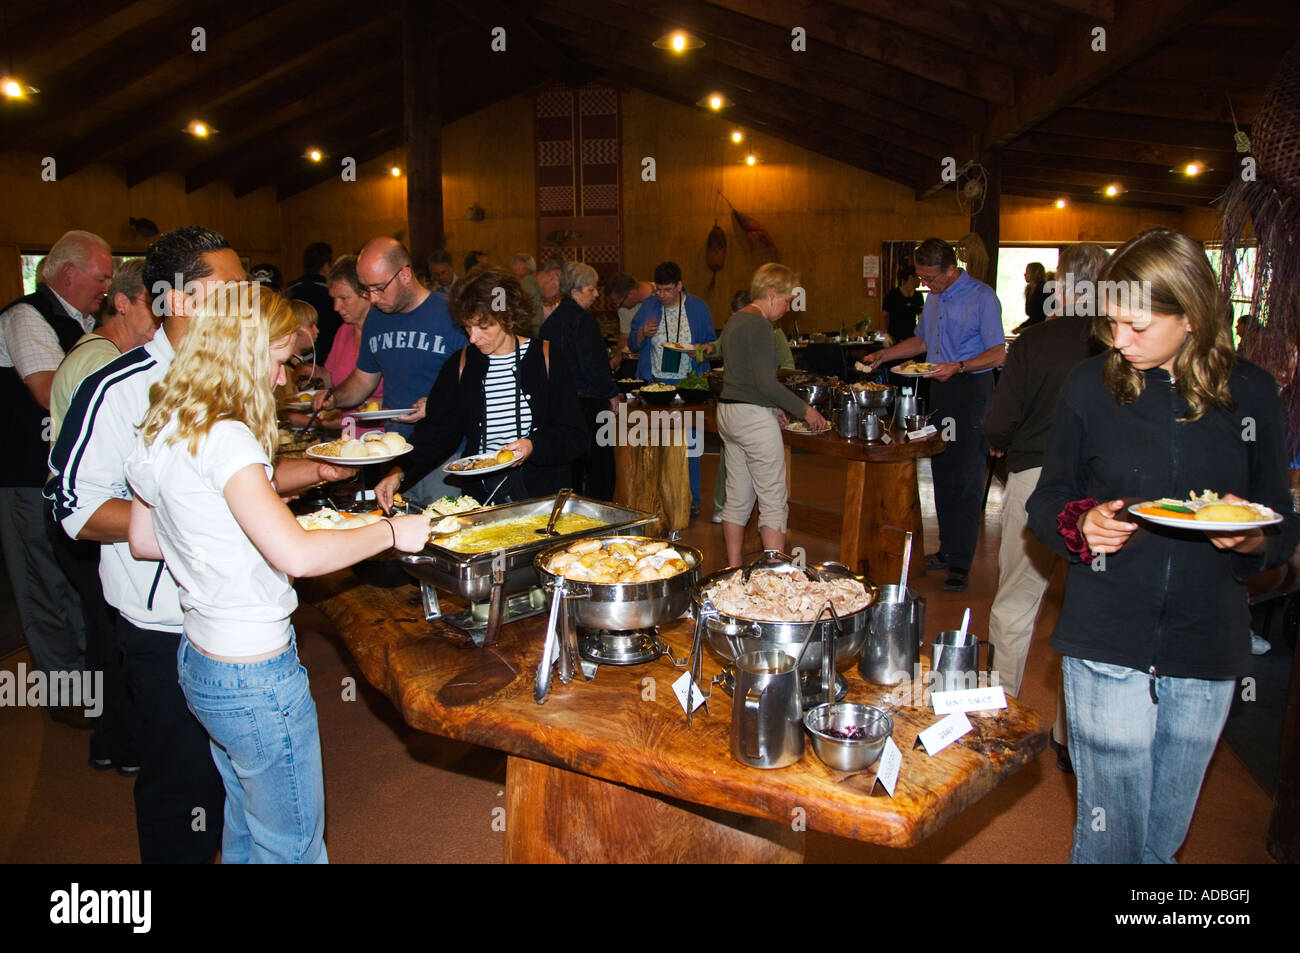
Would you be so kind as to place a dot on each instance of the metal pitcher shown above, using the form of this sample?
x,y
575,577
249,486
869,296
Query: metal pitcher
x,y
907,405
872,426
849,414
766,710
895,630
955,661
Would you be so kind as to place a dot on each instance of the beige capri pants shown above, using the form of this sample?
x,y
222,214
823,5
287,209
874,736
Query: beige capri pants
x,y
755,465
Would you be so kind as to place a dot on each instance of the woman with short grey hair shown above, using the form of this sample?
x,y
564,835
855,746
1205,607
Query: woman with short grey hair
x,y
573,329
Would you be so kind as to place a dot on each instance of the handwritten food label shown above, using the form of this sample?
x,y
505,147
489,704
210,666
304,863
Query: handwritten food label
x,y
891,759
969,699
941,735
685,685
886,438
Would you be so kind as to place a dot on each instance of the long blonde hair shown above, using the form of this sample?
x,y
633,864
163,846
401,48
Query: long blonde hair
x,y
222,368
1173,270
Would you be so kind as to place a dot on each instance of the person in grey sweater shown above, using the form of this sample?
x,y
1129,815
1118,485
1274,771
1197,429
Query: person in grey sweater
x,y
750,412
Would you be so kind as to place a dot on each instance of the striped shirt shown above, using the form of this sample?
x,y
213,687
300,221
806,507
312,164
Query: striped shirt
x,y
502,396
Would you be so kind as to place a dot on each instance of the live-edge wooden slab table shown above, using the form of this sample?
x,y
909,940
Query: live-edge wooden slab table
x,y
608,770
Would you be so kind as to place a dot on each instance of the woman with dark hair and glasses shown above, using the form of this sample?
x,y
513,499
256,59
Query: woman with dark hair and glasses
x,y
504,392
1154,627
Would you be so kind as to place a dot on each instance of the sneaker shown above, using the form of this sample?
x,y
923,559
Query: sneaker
x,y
957,581
935,562
717,516
1259,646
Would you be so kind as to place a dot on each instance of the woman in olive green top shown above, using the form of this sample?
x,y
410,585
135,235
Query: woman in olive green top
x,y
784,360
752,401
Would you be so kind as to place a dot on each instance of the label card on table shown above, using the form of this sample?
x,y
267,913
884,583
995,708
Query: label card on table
x,y
969,699
941,734
684,685
928,430
891,759
886,438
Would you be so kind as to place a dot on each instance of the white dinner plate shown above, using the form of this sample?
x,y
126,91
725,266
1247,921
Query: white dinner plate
x,y
911,373
479,471
354,461
368,415
1212,526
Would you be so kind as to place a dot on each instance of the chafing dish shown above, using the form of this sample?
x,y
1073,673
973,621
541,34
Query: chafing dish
x,y
503,585
731,636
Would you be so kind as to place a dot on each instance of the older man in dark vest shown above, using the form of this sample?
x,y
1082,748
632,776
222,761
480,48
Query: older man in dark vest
x,y
36,331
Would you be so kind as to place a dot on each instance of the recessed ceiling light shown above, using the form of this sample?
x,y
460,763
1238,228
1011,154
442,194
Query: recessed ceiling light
x,y
199,128
395,171
16,89
1192,168
1112,190
737,136
679,41
751,159
713,101
1061,203
314,154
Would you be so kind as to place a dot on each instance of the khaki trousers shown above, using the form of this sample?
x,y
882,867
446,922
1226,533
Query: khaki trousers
x,y
755,465
1024,568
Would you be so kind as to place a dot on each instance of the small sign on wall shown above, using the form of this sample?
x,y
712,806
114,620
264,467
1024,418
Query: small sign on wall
x,y
870,266
869,286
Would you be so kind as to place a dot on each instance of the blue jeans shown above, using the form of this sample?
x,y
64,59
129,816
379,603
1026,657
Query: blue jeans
x,y
1139,764
261,722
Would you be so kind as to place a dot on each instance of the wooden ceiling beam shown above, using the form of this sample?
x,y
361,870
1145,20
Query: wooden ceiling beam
x,y
1139,96
1135,32
1050,175
1124,127
882,91
70,92
1111,167
372,147
765,79
1147,153
59,34
318,62
289,130
907,51
985,29
1127,200
522,40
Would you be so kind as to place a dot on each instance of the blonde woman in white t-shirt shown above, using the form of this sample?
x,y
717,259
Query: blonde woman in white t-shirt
x,y
206,505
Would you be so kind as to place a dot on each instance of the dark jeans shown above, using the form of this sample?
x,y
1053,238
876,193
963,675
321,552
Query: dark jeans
x,y
114,734
177,773
593,473
961,403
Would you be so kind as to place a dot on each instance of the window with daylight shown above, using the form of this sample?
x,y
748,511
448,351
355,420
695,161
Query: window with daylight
x,y
1244,284
31,261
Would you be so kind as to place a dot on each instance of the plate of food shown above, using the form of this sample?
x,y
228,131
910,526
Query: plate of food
x,y
801,426
1206,512
329,518
915,369
371,448
389,413
300,401
480,464
677,346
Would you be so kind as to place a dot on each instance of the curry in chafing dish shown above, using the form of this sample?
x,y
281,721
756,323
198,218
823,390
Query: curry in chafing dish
x,y
514,532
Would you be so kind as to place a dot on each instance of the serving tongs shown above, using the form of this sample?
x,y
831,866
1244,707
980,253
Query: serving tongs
x,y
561,499
560,649
775,559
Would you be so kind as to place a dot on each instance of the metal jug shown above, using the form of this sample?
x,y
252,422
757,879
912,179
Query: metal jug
x,y
766,710
849,415
906,405
895,630
955,661
872,426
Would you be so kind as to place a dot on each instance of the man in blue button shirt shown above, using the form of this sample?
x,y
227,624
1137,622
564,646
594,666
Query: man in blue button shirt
x,y
961,332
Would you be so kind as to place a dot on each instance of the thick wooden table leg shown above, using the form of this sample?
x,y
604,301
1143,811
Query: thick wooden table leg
x,y
881,502
554,815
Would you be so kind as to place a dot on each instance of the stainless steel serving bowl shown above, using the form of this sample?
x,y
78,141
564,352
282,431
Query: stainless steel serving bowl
x,y
732,636
817,395
845,754
624,606
874,399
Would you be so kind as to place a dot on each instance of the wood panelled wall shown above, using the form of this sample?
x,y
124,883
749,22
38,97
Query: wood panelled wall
x,y
486,158
97,199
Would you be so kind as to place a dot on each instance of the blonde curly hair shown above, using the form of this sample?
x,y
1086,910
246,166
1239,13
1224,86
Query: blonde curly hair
x,y
222,368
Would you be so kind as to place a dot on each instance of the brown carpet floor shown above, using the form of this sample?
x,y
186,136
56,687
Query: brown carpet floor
x,y
395,795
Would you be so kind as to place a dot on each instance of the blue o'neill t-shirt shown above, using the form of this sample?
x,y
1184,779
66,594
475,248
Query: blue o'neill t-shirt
x,y
409,350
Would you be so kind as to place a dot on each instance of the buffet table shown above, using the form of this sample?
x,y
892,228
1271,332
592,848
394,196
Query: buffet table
x,y
881,498
608,771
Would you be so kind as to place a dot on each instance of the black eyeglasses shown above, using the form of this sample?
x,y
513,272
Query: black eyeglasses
x,y
370,290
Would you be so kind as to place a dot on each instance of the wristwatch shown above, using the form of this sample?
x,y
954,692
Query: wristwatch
x,y
961,367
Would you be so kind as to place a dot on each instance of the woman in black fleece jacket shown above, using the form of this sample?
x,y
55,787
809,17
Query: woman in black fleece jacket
x,y
1155,626
538,417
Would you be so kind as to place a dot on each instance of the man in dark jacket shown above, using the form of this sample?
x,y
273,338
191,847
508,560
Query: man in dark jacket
x,y
312,288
